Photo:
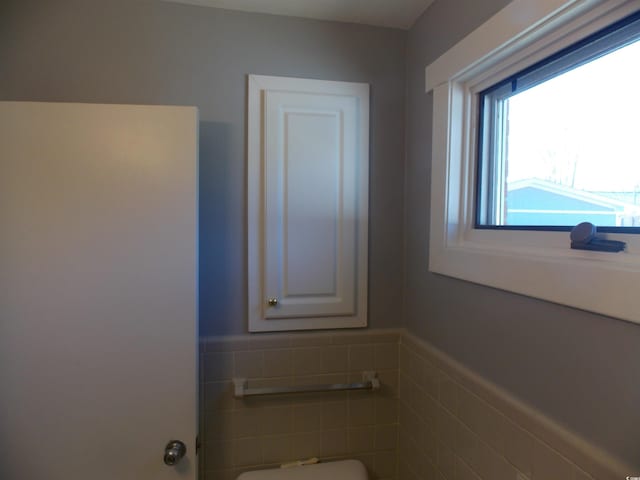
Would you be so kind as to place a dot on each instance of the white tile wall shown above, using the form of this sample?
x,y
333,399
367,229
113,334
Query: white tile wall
x,y
263,432
455,425
433,418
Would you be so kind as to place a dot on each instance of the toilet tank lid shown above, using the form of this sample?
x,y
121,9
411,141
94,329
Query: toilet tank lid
x,y
342,470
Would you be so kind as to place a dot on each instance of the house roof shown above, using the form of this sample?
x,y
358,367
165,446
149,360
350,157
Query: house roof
x,y
591,197
632,198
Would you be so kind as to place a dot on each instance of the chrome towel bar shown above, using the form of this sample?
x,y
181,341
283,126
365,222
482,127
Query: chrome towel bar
x,y
241,389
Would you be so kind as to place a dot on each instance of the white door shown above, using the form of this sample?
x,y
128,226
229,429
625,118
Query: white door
x,y
308,199
98,283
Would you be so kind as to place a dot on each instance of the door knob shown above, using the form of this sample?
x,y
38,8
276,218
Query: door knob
x,y
174,451
272,302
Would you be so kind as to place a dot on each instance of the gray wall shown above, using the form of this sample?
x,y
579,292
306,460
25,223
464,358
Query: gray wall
x,y
152,52
579,368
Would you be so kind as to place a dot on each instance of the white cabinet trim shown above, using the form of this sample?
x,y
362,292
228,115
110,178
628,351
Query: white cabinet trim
x,y
258,86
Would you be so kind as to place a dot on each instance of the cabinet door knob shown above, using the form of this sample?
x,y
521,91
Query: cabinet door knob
x,y
272,302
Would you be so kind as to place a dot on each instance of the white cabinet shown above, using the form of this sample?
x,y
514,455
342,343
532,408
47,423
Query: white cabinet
x,y
307,203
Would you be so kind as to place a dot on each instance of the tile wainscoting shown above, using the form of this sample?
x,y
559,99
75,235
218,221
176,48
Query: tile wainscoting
x,y
432,419
263,432
456,425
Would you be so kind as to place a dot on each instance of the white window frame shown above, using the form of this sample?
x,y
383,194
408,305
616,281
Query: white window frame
x,y
534,263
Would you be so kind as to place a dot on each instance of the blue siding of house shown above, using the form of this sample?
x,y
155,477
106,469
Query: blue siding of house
x,y
531,198
559,219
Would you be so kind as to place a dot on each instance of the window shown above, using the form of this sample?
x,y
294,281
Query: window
x,y
557,142
486,246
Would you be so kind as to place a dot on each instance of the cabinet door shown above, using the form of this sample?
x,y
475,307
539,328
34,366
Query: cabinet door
x,y
308,177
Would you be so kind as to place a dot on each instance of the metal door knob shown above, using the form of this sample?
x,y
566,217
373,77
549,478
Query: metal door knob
x,y
272,302
174,451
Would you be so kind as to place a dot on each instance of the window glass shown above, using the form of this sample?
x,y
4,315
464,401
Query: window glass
x,y
560,143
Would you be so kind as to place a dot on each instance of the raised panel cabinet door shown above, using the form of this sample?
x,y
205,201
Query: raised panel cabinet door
x,y
98,313
308,198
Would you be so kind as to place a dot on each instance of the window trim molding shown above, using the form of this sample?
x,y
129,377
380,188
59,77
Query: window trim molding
x,y
537,264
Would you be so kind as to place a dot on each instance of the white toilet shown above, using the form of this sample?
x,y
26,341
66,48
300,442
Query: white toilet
x,y
341,470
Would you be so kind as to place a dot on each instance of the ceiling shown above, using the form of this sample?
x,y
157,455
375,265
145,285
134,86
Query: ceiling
x,y
383,13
